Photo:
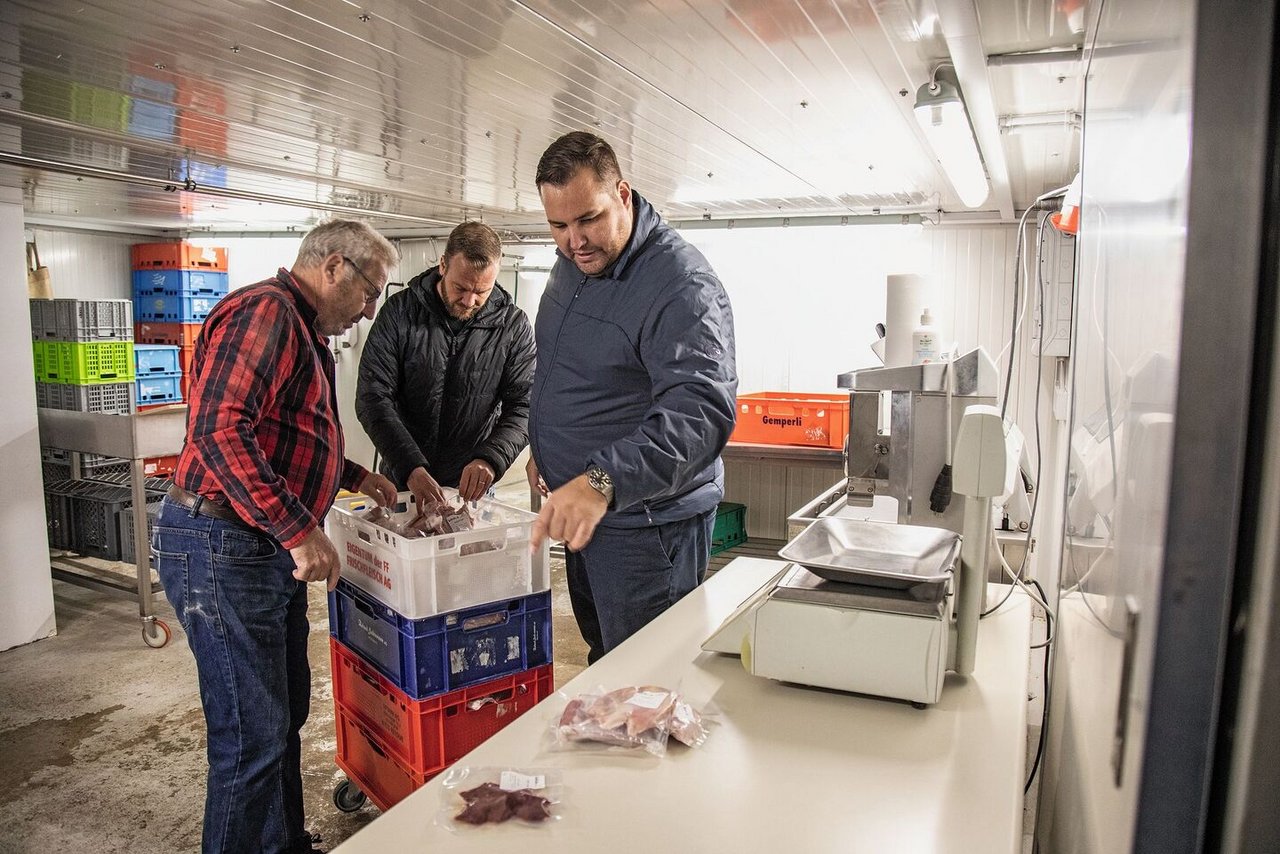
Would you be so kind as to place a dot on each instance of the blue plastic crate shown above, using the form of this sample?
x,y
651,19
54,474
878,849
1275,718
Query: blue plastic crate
x,y
157,90
448,651
156,359
151,120
157,388
179,283
161,308
205,174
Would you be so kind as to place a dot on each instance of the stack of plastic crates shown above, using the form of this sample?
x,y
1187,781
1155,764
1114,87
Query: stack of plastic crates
x,y
83,353
159,374
85,516
175,286
436,643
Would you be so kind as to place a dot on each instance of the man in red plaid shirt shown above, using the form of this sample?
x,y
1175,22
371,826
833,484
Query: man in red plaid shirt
x,y
241,531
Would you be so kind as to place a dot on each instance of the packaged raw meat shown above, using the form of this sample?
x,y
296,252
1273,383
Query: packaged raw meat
x,y
631,717
480,796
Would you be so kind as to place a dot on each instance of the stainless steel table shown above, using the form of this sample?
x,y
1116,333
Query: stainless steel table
x,y
156,433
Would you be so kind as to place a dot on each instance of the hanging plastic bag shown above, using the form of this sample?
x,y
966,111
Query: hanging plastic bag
x,y
39,284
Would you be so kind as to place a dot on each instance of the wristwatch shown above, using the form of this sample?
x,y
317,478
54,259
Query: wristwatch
x,y
601,483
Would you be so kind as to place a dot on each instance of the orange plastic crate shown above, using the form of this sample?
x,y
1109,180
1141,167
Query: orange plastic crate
x,y
178,256
792,418
428,735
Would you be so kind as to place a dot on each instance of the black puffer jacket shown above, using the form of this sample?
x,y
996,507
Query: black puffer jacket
x,y
438,399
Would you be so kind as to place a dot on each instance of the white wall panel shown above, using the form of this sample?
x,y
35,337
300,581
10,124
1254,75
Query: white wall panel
x,y
26,586
87,266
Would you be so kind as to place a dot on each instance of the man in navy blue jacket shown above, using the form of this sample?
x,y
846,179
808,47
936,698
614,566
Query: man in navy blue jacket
x,y
634,396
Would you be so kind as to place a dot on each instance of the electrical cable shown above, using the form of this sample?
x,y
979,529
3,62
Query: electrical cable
x,y
1044,711
1035,500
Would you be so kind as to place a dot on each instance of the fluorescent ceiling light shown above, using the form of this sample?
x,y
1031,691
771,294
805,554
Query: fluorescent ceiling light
x,y
945,123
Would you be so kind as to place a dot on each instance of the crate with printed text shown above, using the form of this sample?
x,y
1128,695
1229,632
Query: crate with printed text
x,y
792,418
430,655
423,576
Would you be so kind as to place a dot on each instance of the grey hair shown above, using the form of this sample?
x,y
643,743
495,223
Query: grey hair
x,y
352,238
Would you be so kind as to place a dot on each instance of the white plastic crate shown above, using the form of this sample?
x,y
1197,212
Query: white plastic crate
x,y
432,575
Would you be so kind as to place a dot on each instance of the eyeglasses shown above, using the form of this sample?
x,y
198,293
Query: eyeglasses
x,y
370,296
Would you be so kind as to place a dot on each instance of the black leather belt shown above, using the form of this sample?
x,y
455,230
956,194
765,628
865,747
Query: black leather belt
x,y
201,505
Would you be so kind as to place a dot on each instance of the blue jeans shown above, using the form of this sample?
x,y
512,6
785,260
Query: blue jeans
x,y
627,576
246,622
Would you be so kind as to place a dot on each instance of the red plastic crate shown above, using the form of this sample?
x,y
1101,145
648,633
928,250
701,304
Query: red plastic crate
x,y
426,736
792,418
178,256
182,335
371,767
160,466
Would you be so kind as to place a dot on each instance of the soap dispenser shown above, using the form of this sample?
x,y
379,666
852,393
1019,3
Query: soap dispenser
x,y
924,341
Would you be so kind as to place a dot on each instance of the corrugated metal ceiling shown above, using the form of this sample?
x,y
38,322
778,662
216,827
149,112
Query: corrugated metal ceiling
x,y
426,112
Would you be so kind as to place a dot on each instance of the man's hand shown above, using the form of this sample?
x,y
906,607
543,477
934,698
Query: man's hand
x,y
426,489
315,559
535,479
571,514
379,488
476,479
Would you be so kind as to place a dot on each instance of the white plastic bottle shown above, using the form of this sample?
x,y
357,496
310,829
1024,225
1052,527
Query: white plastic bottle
x,y
924,341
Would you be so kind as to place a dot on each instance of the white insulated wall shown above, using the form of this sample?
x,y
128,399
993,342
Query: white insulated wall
x,y
26,586
805,300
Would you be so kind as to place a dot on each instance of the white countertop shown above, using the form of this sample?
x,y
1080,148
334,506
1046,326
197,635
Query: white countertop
x,y
786,769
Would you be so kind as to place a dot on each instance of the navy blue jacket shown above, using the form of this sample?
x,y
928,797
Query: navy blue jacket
x,y
636,374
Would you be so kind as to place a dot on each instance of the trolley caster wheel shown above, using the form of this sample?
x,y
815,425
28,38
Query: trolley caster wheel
x,y
348,797
156,633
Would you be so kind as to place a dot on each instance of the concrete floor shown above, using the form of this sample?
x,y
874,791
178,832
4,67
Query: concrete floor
x,y
102,738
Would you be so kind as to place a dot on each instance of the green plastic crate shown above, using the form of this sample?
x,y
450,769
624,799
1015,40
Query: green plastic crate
x,y
37,357
98,107
731,526
97,362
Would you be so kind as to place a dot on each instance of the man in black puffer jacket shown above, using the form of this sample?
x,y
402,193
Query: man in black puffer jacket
x,y
446,371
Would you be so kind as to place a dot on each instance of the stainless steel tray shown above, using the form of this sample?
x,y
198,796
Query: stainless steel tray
x,y
876,553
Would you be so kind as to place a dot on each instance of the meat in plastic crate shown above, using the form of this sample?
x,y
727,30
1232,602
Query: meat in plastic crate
x,y
432,575
429,735
448,651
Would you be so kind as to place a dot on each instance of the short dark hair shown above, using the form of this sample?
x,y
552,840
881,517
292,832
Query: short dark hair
x,y
564,157
476,242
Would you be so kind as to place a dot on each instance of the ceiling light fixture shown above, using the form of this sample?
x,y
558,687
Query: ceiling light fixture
x,y
942,117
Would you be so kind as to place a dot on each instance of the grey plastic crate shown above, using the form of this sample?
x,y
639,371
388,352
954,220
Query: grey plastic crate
x,y
57,512
93,320
125,522
92,466
94,507
44,324
153,485
44,393
104,398
50,472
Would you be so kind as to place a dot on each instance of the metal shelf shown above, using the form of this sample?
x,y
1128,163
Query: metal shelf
x,y
155,433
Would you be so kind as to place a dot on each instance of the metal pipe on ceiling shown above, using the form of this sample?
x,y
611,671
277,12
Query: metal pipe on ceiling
x,y
66,168
1035,57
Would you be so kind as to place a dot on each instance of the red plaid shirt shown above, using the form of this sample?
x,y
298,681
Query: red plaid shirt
x,y
262,426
